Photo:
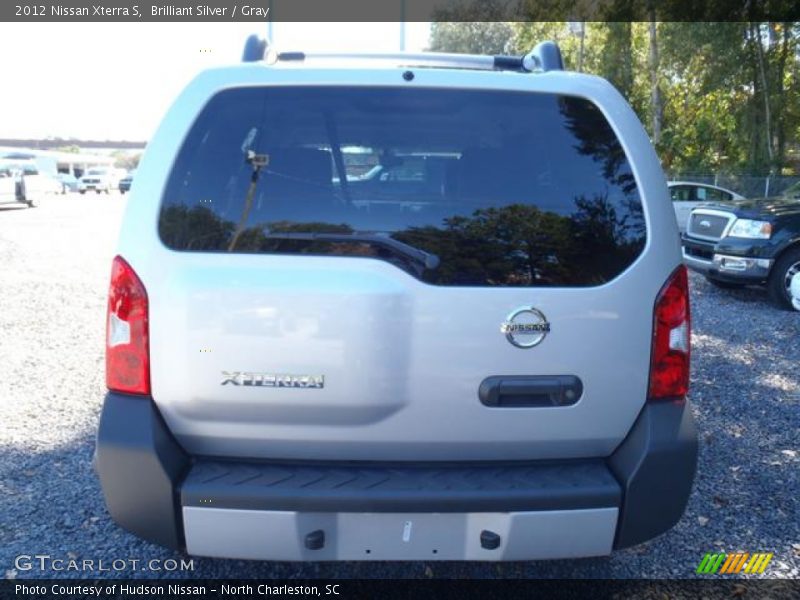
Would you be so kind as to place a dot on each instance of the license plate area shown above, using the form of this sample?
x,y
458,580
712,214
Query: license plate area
x,y
283,535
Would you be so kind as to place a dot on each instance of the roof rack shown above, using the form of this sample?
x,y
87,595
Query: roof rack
x,y
546,56
255,48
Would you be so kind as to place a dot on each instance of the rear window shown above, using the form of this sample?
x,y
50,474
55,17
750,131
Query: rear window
x,y
456,187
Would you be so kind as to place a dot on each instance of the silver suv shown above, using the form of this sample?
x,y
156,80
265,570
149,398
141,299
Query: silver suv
x,y
481,353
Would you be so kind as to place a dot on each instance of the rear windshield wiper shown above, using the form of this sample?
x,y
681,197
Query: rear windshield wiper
x,y
420,257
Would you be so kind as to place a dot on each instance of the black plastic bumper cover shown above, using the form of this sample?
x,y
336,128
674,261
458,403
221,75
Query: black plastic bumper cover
x,y
143,471
140,466
401,488
655,466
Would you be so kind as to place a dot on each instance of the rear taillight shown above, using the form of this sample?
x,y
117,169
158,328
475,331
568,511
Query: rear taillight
x,y
127,346
669,363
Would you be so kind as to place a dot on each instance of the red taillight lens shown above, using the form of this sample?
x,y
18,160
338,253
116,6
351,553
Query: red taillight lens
x,y
669,363
127,345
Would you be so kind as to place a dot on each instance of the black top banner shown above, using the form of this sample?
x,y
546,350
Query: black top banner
x,y
399,10
206,589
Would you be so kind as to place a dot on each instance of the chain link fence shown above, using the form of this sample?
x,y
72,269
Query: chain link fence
x,y
747,185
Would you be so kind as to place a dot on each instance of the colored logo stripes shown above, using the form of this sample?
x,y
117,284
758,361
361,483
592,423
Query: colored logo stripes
x,y
741,562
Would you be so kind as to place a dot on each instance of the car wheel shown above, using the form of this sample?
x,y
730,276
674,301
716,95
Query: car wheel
x,y
780,279
82,191
724,285
98,191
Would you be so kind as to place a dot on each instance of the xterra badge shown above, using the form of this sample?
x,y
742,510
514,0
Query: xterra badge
x,y
525,327
272,380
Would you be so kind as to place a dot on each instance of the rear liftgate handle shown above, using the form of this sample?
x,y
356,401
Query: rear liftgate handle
x,y
518,391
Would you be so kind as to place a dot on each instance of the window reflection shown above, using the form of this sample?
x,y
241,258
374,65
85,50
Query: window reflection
x,y
506,188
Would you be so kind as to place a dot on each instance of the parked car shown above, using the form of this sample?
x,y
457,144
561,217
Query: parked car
x,y
32,180
747,242
125,183
39,176
495,369
99,179
688,195
12,188
69,183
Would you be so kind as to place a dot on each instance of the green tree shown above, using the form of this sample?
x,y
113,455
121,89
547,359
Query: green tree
x,y
714,96
617,57
730,101
126,160
471,37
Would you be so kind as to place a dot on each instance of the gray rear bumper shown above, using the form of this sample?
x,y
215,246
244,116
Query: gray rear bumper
x,y
269,510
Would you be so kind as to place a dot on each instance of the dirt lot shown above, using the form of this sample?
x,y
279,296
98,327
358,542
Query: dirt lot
x,y
54,266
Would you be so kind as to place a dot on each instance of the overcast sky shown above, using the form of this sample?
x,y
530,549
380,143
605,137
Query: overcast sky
x,y
116,80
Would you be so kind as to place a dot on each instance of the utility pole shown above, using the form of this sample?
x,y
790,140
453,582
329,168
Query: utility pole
x,y
578,28
402,25
270,17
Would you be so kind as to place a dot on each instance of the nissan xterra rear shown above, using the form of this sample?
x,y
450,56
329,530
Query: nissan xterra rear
x,y
405,307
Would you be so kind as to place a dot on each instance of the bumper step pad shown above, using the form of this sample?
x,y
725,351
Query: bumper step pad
x,y
328,488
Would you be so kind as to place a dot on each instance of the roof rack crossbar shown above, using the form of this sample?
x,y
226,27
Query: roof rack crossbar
x,y
546,56
422,59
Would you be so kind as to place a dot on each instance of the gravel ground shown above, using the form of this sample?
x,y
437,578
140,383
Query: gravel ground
x,y
54,267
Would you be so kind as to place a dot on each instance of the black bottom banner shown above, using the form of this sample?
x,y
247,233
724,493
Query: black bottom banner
x,y
399,588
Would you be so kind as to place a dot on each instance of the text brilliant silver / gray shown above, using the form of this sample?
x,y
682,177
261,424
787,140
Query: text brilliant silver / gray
x,y
272,380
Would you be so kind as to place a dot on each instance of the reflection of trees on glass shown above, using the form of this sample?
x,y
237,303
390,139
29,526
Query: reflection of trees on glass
x,y
196,228
607,239
255,239
199,228
513,245
596,139
521,245
516,245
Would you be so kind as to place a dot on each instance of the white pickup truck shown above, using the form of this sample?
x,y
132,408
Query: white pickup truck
x,y
100,179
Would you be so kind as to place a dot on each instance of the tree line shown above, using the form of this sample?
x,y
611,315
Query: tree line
x,y
720,97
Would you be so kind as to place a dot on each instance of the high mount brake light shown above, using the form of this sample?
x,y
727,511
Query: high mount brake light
x,y
670,354
127,343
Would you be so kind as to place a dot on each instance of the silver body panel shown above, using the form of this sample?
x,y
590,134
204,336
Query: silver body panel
x,y
401,360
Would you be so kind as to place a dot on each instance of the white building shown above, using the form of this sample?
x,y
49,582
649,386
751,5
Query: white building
x,y
62,162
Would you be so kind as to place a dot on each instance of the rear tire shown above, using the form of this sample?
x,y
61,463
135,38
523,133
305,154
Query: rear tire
x,y
781,276
724,285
